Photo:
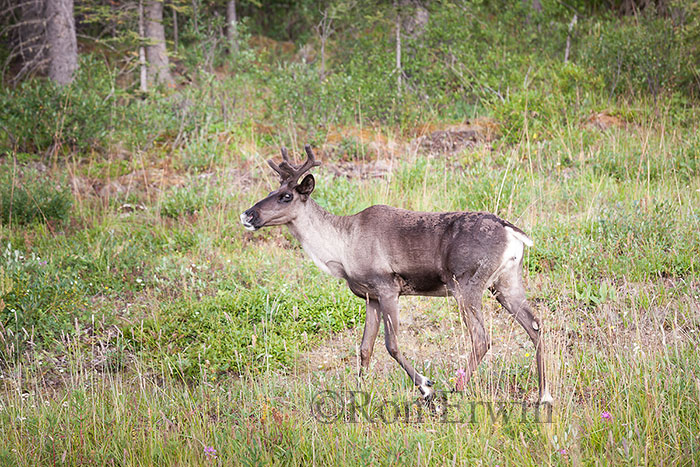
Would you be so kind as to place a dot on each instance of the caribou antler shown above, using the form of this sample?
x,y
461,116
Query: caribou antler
x,y
291,173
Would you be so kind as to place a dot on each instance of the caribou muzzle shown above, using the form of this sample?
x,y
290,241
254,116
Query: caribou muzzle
x,y
251,220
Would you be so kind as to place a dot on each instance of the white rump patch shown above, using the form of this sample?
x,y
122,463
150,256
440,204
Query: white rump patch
x,y
514,248
520,236
512,254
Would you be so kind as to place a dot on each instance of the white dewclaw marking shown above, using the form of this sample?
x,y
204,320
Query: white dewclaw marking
x,y
535,326
426,391
546,397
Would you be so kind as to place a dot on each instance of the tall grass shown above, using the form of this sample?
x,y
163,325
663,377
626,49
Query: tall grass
x,y
140,324
197,344
633,406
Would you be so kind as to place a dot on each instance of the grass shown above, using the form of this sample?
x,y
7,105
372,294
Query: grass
x,y
184,334
107,417
141,324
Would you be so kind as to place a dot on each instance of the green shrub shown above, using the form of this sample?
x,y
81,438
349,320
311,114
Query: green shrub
x,y
38,301
684,163
641,54
243,330
39,114
642,241
527,107
638,241
201,152
111,258
299,94
32,199
186,200
93,112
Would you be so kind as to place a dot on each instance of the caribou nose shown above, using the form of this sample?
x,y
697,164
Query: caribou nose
x,y
248,219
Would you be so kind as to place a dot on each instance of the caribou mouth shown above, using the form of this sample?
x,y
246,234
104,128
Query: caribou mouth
x,y
245,220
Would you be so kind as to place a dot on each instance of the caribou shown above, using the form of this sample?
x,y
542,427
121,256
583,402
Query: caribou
x,y
384,252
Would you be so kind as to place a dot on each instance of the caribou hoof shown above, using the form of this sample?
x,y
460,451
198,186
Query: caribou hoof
x,y
426,389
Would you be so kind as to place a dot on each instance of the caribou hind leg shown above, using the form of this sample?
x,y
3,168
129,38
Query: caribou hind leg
x,y
510,293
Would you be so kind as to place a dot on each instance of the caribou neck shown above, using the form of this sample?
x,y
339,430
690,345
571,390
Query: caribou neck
x,y
322,236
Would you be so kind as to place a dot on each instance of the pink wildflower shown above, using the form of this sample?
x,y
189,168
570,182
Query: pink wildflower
x,y
209,451
461,381
606,415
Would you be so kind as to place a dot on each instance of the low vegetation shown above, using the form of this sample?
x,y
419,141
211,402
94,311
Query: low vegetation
x,y
141,324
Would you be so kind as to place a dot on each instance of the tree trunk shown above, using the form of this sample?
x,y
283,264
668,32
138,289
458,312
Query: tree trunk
x,y
628,7
28,37
231,26
324,30
399,71
62,44
568,37
535,4
156,54
31,32
176,31
143,75
195,14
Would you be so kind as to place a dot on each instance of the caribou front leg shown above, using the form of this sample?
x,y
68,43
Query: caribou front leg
x,y
389,308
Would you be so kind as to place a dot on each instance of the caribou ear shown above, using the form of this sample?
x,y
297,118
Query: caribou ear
x,y
306,186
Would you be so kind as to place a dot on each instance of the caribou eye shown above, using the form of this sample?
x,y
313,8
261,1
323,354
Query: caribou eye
x,y
285,198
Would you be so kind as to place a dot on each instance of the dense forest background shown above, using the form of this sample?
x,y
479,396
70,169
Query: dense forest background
x,y
330,62
140,324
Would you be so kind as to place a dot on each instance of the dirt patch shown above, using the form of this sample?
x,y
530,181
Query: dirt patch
x,y
455,138
603,121
271,46
144,180
370,169
430,335
348,144
149,180
232,180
